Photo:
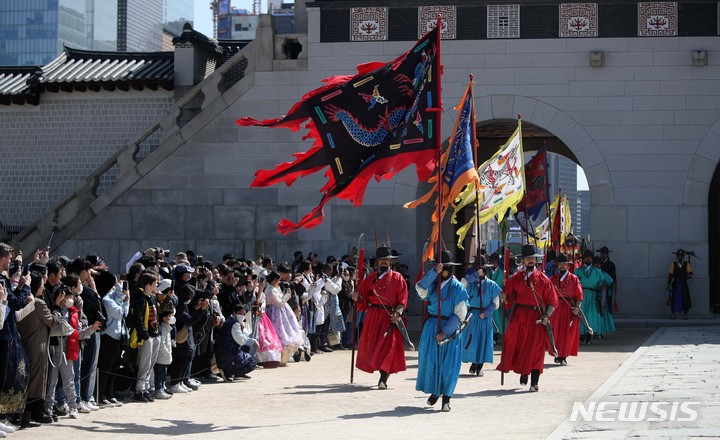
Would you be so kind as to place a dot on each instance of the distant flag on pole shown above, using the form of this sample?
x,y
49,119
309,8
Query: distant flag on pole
x,y
457,166
502,184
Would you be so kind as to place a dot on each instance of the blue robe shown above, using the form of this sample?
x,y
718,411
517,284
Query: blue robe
x,y
478,337
590,280
438,372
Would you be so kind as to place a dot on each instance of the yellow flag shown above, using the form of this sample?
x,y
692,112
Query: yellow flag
x,y
502,185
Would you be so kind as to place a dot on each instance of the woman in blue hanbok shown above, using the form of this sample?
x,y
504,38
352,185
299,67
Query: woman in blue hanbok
x,y
439,365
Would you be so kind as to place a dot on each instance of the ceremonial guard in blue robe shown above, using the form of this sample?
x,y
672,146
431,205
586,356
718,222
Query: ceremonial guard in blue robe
x,y
440,352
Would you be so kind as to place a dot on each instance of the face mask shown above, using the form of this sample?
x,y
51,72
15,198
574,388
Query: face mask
x,y
69,303
188,301
382,269
346,277
171,320
239,318
445,274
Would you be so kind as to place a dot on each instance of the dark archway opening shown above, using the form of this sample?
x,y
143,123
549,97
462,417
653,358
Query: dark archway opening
x,y
714,241
562,162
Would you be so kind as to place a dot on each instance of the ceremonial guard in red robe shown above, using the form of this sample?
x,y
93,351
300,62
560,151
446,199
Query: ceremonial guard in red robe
x,y
530,296
565,321
383,295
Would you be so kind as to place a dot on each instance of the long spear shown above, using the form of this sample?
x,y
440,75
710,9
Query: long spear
x,y
438,142
359,268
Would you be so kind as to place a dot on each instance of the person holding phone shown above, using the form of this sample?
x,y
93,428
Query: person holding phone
x,y
116,302
13,380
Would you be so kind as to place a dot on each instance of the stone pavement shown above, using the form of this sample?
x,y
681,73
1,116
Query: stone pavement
x,y
675,365
315,400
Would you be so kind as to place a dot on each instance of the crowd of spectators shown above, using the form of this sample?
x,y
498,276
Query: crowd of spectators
x,y
165,326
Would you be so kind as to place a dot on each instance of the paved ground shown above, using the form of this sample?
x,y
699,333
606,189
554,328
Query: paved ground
x,y
315,400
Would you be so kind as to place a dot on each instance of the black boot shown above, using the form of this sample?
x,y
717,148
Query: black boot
x,y
445,404
382,383
432,399
523,380
478,370
473,368
534,379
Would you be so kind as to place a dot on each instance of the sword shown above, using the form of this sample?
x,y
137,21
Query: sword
x,y
548,326
584,321
403,332
551,336
458,331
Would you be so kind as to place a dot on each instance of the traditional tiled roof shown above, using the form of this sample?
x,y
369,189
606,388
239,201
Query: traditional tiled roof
x,y
81,70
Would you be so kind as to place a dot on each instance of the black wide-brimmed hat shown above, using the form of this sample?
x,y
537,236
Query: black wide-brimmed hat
x,y
384,252
494,258
604,249
562,258
447,259
529,250
679,252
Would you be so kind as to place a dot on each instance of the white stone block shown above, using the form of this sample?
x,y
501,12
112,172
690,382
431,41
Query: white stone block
x,y
710,146
574,103
501,60
663,72
597,88
466,47
492,76
615,103
702,102
658,103
605,73
601,194
571,59
649,196
693,87
503,106
671,58
544,75
609,222
543,114
654,44
708,117
648,178
593,44
537,46
577,139
589,156
621,132
696,193
642,88
693,223
605,117
695,132
597,175
656,162
319,50
647,117
562,124
653,223
524,106
359,48
665,146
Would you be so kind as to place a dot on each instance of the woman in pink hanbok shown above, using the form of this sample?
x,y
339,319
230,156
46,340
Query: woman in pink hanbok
x,y
282,317
270,348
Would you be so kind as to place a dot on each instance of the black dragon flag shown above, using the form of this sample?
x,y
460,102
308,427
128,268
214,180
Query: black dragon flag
x,y
372,124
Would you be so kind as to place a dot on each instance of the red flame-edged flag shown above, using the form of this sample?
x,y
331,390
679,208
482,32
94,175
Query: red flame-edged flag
x,y
373,124
536,194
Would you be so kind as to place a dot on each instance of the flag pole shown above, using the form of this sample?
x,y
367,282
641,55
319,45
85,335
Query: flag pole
x,y
475,164
438,141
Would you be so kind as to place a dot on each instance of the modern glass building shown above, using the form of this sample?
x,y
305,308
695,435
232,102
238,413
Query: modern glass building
x,y
177,13
33,32
140,25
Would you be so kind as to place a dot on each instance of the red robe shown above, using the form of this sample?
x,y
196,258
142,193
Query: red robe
x,y
375,351
525,340
565,324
